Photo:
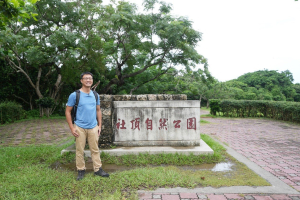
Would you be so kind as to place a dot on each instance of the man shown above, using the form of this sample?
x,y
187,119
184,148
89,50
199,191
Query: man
x,y
87,125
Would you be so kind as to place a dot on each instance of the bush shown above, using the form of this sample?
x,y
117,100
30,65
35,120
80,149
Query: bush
x,y
46,102
32,113
10,112
280,110
214,106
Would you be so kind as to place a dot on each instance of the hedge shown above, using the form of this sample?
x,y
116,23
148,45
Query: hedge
x,y
10,112
280,110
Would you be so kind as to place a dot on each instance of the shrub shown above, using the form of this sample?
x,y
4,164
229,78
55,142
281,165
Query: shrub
x,y
280,110
46,102
32,113
10,112
214,106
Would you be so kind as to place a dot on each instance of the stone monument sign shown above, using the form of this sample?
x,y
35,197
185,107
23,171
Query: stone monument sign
x,y
156,123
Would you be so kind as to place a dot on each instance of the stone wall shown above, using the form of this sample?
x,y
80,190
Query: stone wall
x,y
106,104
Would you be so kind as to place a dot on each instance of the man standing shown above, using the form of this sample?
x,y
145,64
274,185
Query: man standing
x,y
87,125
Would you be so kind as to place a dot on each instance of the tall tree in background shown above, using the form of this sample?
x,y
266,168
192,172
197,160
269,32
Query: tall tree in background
x,y
278,84
135,42
39,49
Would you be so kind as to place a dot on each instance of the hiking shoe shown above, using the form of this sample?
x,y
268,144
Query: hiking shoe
x,y
102,173
80,174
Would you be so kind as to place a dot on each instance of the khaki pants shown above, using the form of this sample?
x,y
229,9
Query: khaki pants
x,y
92,136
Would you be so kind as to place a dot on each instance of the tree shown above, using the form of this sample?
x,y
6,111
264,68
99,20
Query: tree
x,y
18,10
297,89
38,49
135,42
278,84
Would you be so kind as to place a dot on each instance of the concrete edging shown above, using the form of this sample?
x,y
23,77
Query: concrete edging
x,y
118,151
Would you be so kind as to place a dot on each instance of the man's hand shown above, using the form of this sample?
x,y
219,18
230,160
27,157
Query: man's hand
x,y
99,131
74,132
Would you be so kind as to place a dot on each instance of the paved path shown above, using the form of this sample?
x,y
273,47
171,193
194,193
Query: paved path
x,y
272,145
37,131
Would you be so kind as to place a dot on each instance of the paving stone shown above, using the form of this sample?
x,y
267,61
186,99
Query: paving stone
x,y
202,196
233,196
188,195
280,197
216,197
295,179
262,197
156,196
295,198
289,171
274,167
170,197
297,188
292,175
249,197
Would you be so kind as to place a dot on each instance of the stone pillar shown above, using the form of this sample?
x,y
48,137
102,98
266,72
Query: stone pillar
x,y
106,137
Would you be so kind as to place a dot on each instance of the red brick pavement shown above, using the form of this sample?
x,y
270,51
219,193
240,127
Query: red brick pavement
x,y
273,145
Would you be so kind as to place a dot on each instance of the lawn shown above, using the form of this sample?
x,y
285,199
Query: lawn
x,y
25,174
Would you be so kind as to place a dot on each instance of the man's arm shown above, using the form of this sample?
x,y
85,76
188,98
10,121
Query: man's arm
x,y
99,118
69,120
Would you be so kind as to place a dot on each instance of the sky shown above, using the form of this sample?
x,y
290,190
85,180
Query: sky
x,y
240,36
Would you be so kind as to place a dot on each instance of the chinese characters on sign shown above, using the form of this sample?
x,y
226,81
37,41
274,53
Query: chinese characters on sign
x,y
149,124
121,125
163,124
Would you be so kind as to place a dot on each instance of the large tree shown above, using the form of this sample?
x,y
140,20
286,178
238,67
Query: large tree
x,y
134,42
39,49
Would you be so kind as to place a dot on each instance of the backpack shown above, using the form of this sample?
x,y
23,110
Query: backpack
x,y
74,110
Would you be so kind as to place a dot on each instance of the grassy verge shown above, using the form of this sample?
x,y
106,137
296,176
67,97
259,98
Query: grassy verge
x,y
203,122
25,174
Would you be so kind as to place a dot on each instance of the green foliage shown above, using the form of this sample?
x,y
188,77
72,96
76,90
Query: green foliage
x,y
138,42
19,10
264,85
32,113
115,42
10,112
214,106
297,89
46,102
280,110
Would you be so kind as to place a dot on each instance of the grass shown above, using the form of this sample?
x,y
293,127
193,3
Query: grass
x,y
25,174
203,122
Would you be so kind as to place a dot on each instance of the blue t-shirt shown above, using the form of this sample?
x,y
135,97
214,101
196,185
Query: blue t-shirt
x,y
86,110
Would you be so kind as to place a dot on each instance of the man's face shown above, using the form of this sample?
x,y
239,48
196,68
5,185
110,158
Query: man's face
x,y
87,80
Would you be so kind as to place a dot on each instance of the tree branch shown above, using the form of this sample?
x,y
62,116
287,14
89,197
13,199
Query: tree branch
x,y
21,99
19,69
158,75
